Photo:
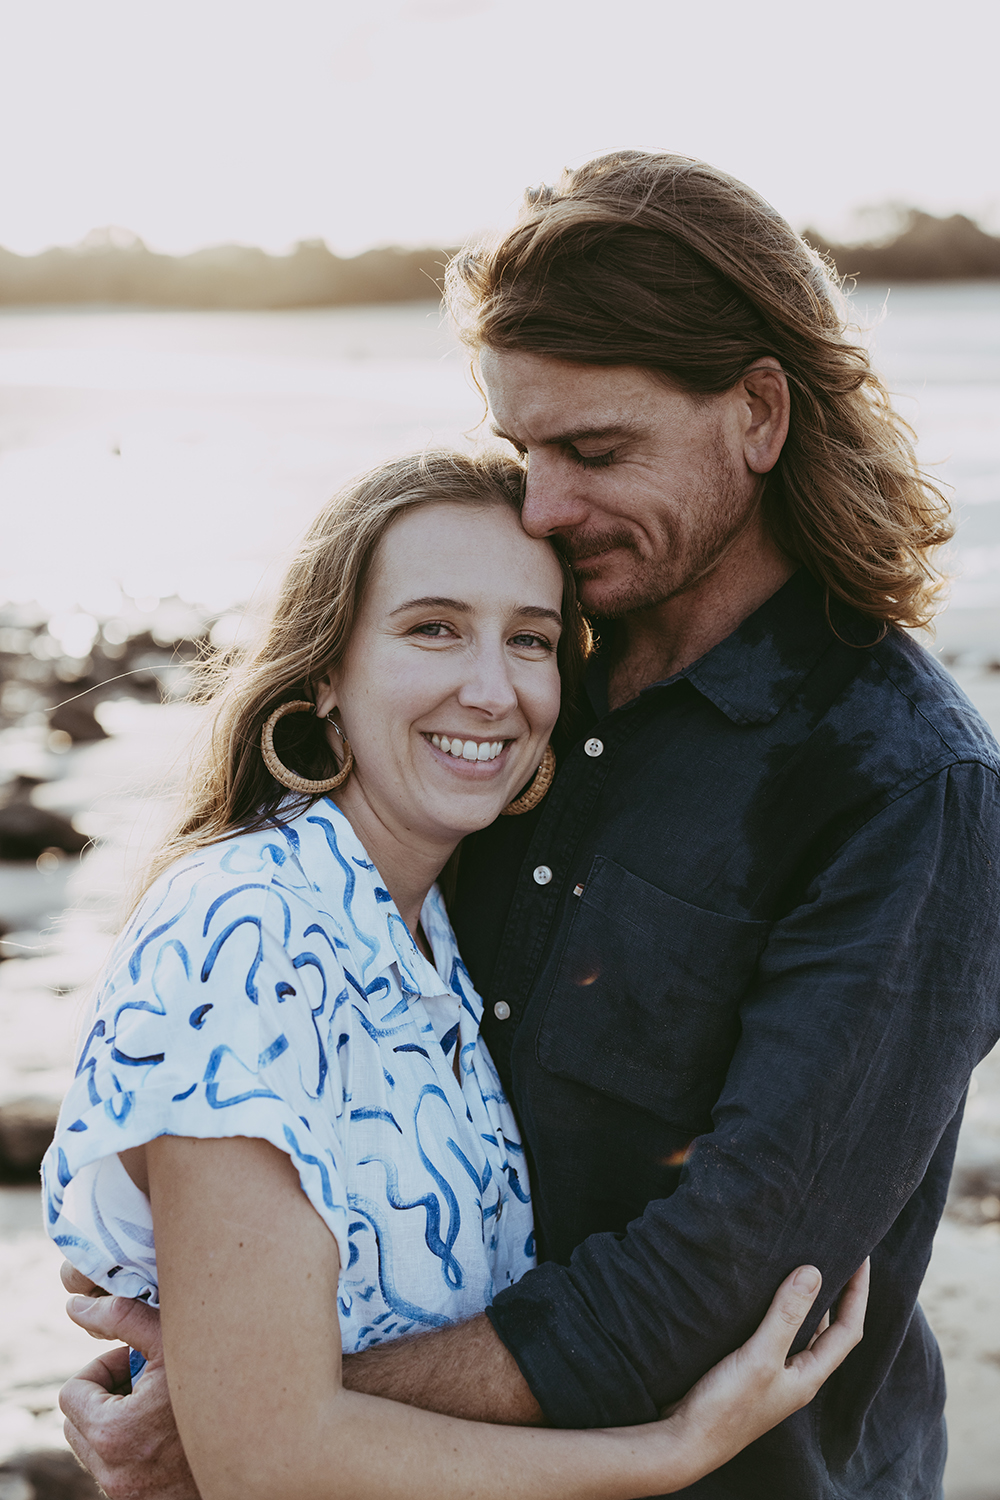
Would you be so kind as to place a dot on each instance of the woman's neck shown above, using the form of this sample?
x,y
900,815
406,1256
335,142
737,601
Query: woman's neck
x,y
407,867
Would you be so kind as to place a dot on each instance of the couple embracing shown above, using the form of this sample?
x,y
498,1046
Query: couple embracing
x,y
569,965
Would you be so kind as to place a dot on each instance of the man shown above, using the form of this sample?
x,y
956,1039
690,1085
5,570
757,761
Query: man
x,y
740,962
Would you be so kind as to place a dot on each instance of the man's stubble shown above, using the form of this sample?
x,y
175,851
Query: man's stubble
x,y
720,513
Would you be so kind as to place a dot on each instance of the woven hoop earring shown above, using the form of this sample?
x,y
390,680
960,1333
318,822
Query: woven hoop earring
x,y
536,791
281,772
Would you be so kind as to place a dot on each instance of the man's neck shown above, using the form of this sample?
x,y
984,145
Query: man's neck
x,y
655,643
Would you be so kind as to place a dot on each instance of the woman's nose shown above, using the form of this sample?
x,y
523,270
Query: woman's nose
x,y
552,502
488,686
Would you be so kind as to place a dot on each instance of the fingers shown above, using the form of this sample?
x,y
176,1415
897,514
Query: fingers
x,y
75,1281
119,1318
103,1380
783,1319
854,1298
129,1443
821,1327
832,1346
849,1325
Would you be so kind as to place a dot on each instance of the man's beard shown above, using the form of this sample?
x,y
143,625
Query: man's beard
x,y
653,581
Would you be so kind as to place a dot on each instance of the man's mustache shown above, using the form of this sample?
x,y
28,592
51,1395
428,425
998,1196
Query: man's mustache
x,y
577,547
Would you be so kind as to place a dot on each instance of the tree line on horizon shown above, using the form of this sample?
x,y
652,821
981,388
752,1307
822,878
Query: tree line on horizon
x,y
115,267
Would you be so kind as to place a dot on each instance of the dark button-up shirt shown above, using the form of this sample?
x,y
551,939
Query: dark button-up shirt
x,y
749,947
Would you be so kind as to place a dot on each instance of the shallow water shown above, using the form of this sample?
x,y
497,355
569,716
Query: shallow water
x,y
182,453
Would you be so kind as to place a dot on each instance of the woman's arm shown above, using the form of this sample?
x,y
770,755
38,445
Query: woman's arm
x,y
243,1258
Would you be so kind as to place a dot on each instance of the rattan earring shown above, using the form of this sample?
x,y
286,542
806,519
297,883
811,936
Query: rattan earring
x,y
537,789
281,772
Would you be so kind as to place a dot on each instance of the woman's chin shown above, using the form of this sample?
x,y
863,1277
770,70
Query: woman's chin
x,y
475,814
457,814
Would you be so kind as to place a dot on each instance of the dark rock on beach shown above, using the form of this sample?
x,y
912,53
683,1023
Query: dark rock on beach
x,y
26,1128
78,721
48,1474
27,831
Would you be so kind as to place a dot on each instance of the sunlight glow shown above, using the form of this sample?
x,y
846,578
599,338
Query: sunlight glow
x,y
421,121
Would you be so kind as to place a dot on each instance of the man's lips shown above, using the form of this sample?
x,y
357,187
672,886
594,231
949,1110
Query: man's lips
x,y
587,551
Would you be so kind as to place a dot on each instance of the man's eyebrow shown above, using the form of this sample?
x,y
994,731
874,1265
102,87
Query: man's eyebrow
x,y
576,435
436,601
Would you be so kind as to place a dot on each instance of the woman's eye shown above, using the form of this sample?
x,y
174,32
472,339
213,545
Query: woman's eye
x,y
434,629
527,640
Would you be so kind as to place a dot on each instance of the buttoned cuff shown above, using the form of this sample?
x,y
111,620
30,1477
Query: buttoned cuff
x,y
578,1374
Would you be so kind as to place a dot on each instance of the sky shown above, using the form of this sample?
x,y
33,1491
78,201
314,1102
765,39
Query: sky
x,y
265,122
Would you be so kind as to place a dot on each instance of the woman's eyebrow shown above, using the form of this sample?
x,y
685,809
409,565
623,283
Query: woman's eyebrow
x,y
432,601
436,601
535,612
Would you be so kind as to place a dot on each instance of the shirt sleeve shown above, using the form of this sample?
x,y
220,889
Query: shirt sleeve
x,y
874,999
217,1017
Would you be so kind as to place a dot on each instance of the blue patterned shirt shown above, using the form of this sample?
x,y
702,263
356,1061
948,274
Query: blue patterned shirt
x,y
267,987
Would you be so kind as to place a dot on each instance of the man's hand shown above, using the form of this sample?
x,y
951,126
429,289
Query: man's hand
x,y
128,1442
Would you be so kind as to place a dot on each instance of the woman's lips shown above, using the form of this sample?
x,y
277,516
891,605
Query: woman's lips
x,y
467,749
469,756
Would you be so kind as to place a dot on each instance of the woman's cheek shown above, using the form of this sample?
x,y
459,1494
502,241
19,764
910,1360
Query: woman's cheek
x,y
550,702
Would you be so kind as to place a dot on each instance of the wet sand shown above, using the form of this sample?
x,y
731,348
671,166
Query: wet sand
x,y
66,915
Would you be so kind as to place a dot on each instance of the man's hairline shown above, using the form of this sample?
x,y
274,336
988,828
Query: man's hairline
x,y
662,377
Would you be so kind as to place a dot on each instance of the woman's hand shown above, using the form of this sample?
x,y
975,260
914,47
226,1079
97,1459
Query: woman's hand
x,y
758,1385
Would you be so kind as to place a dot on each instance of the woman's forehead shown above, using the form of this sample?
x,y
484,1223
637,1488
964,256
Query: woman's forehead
x,y
429,549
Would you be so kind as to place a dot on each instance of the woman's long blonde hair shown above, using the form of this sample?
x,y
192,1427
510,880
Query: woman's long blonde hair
x,y
670,265
305,636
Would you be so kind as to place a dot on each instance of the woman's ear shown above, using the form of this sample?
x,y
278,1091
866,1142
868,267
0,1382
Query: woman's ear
x,y
768,409
326,695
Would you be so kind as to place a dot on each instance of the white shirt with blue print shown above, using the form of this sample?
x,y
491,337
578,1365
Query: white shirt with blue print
x,y
267,987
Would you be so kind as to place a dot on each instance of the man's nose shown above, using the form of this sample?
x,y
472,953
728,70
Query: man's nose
x,y
488,685
552,499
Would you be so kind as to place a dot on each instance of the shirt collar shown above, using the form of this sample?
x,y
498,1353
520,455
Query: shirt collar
x,y
752,674
381,933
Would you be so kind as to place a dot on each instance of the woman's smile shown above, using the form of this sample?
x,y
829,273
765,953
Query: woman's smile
x,y
467,748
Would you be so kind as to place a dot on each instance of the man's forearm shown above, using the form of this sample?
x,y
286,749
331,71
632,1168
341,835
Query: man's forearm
x,y
462,1371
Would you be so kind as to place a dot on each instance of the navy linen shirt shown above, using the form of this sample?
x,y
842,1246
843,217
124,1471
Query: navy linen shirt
x,y
749,946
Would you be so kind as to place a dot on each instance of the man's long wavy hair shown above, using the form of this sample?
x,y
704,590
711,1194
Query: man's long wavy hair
x,y
305,635
670,265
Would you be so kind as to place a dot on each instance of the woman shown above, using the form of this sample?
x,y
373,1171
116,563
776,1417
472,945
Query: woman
x,y
283,1076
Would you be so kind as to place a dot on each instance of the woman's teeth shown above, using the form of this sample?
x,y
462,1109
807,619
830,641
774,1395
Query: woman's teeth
x,y
468,749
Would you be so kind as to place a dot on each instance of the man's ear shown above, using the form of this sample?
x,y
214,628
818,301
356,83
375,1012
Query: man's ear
x,y
768,409
326,695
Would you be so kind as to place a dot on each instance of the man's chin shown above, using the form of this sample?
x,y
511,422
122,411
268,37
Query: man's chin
x,y
597,578
610,593
600,598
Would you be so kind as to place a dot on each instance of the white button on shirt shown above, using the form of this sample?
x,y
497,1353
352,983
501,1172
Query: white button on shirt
x,y
268,987
594,747
542,875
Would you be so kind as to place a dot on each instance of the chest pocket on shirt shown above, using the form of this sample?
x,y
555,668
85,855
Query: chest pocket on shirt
x,y
643,1005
